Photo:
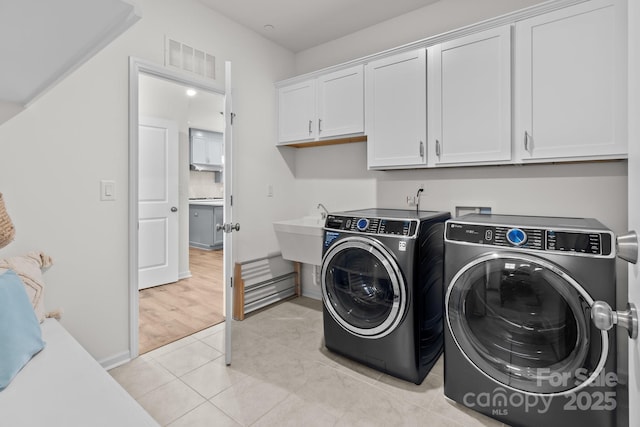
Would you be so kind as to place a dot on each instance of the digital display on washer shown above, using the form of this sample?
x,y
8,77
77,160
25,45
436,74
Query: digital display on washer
x,y
469,233
402,228
573,242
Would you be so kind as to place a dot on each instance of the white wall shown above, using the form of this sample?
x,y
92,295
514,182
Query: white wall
x,y
574,190
55,153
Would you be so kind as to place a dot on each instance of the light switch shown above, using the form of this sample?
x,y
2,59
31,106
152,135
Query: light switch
x,y
107,190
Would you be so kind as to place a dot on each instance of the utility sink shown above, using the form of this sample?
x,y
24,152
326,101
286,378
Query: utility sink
x,y
301,239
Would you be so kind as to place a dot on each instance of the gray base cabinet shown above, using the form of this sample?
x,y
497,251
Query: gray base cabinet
x,y
202,226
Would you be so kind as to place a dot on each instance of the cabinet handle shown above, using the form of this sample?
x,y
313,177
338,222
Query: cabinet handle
x,y
437,148
526,141
310,123
319,125
421,149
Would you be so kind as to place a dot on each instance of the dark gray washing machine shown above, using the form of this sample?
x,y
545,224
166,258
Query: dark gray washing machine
x,y
520,345
382,288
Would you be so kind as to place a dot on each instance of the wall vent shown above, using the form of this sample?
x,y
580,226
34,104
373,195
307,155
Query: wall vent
x,y
187,58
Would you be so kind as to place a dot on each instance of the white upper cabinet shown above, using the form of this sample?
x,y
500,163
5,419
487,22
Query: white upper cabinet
x,y
325,107
570,95
297,112
545,84
341,102
470,99
395,110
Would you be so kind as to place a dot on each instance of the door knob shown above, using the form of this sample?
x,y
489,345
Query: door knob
x,y
627,246
604,317
228,228
174,209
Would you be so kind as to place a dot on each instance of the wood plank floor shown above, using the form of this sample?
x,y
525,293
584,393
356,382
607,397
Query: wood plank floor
x,y
173,311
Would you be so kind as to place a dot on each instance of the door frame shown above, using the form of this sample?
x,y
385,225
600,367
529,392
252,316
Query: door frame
x,y
633,174
137,66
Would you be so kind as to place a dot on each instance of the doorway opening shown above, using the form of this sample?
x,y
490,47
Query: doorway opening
x,y
167,307
174,304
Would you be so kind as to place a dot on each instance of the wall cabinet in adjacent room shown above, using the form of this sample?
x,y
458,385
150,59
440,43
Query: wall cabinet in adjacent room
x,y
206,150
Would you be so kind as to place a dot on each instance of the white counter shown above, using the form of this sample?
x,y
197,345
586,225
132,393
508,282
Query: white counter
x,y
207,202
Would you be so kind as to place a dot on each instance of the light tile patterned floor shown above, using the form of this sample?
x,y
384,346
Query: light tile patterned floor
x,y
281,375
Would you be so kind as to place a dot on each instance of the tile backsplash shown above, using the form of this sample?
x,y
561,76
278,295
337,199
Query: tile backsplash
x,y
203,184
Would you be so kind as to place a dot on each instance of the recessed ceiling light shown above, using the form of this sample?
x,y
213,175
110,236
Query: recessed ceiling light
x,y
268,27
191,92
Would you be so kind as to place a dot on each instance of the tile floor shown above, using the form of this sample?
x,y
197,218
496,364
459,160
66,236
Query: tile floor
x,y
280,375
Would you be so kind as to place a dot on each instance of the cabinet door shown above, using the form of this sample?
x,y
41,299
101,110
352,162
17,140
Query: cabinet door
x,y
199,149
206,147
470,98
297,112
215,148
570,97
201,226
341,102
395,111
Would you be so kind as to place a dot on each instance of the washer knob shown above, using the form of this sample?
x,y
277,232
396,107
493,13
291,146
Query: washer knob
x,y
362,224
516,237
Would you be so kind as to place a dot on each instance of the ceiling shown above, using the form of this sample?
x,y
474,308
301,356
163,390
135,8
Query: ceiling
x,y
300,24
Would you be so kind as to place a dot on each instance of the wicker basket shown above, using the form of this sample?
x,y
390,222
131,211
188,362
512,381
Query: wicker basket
x,y
7,230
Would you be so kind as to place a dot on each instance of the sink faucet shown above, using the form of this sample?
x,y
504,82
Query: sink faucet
x,y
324,214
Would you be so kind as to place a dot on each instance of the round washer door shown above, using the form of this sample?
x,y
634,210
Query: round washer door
x,y
525,323
362,287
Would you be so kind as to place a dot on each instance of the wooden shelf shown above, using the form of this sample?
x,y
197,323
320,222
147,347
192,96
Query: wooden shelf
x,y
361,138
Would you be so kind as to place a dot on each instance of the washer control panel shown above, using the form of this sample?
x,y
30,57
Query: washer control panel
x,y
540,239
516,237
398,227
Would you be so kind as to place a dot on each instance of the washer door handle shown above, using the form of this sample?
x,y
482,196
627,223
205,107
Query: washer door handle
x,y
604,317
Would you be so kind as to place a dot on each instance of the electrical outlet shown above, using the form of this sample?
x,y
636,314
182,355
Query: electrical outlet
x,y
411,200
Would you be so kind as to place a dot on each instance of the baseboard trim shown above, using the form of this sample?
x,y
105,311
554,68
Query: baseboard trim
x,y
184,275
115,360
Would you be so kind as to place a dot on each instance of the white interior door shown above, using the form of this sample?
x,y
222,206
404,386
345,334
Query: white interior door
x,y
634,199
228,214
157,202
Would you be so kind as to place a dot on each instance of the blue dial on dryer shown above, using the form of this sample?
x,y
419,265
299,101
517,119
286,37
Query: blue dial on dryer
x,y
362,224
516,237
